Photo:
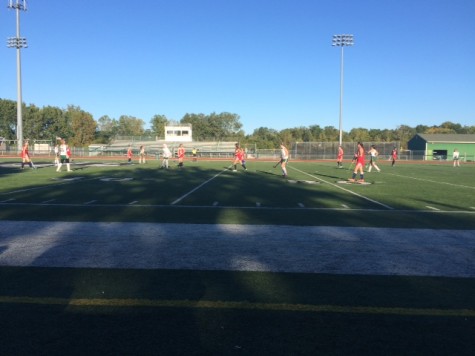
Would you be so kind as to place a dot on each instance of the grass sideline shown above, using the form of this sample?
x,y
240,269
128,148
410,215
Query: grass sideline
x,y
103,311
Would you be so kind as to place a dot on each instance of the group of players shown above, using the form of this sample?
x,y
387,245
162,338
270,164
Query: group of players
x,y
359,158
62,155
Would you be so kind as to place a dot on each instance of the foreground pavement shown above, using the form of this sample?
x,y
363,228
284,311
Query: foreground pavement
x,y
336,250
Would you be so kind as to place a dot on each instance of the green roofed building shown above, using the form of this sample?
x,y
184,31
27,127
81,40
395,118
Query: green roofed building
x,y
442,146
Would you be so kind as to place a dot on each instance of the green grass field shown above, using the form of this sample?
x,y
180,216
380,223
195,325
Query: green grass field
x,y
58,311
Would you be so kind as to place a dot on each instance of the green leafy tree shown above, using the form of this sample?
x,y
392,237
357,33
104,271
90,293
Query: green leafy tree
x,y
130,126
8,119
158,124
83,126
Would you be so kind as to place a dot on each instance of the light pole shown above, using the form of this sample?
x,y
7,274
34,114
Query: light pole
x,y
18,43
342,41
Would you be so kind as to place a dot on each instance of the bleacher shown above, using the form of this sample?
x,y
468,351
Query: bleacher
x,y
208,149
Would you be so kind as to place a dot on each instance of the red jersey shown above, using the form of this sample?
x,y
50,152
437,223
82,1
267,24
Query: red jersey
x,y
239,153
181,152
24,152
361,156
340,153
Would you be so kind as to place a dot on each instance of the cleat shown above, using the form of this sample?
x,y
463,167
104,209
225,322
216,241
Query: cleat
x,y
351,180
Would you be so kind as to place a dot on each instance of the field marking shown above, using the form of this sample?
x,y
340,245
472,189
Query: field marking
x,y
344,189
432,208
431,181
222,305
198,187
90,202
8,200
160,206
133,202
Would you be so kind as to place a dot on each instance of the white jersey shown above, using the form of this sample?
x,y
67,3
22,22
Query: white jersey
x,y
284,154
166,152
63,150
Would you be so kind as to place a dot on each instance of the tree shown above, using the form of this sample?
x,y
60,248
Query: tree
x,y
158,124
83,126
130,126
360,135
8,119
46,123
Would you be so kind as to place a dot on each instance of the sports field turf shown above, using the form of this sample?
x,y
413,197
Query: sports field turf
x,y
58,311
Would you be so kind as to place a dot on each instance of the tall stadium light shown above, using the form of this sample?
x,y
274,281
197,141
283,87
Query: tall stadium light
x,y
18,43
342,41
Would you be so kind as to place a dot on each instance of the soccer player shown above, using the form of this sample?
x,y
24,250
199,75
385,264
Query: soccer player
x,y
339,157
166,155
239,157
284,158
129,154
25,156
181,155
360,162
141,154
456,157
373,158
64,155
393,156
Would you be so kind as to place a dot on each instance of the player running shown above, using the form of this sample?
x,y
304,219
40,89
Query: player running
x,y
373,152
239,156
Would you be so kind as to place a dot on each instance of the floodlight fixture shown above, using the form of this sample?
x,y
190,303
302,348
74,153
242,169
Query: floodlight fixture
x,y
342,41
18,42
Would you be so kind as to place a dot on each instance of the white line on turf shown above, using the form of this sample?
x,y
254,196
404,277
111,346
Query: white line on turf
x,y
431,181
90,202
431,207
344,189
133,202
198,187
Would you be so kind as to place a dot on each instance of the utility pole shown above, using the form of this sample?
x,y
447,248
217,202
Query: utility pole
x,y
18,43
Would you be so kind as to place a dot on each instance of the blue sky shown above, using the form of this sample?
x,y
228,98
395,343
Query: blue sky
x,y
269,61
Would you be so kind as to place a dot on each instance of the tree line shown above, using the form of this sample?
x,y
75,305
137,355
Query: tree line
x,y
81,129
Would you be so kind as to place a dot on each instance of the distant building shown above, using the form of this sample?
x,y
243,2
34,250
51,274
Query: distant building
x,y
441,146
179,133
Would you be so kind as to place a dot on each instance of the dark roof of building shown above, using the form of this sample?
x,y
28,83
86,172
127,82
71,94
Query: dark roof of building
x,y
459,138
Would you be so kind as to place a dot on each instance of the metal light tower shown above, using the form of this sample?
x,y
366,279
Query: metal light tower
x,y
18,43
342,41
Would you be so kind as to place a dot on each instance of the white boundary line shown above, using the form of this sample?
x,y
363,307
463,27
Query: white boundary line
x,y
344,189
198,187
431,181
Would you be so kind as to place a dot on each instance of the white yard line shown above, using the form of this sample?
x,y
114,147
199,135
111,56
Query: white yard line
x,y
431,181
344,189
198,187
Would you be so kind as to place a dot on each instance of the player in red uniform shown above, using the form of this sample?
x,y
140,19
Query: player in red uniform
x,y
129,154
339,157
239,156
25,156
360,162
181,155
393,156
